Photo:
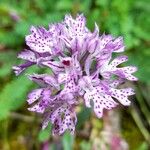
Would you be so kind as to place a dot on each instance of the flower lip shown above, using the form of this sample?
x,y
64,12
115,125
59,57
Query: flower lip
x,y
66,62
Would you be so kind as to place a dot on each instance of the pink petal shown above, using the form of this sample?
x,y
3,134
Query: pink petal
x,y
27,55
34,95
37,108
40,40
121,96
118,61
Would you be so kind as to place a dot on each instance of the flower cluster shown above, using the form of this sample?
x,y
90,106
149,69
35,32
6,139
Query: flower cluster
x,y
83,71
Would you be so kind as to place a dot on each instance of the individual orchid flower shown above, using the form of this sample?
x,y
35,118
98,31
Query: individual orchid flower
x,y
123,72
82,71
75,32
43,46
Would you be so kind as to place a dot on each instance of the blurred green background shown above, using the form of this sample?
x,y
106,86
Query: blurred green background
x,y
20,129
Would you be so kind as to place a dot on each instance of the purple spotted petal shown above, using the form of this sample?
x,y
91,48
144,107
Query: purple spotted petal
x,y
76,27
115,83
122,95
34,95
117,61
55,66
28,55
119,46
20,68
39,40
101,101
126,73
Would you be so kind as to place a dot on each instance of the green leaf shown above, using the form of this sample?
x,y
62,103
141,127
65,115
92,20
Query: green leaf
x,y
143,146
64,5
83,116
141,33
141,59
13,95
85,145
45,134
6,60
103,3
67,141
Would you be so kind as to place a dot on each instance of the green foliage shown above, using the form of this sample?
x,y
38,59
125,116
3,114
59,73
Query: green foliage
x,y
67,141
83,116
144,146
44,135
13,95
85,145
8,57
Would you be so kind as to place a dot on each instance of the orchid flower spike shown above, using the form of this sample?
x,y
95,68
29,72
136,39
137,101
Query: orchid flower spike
x,y
83,70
